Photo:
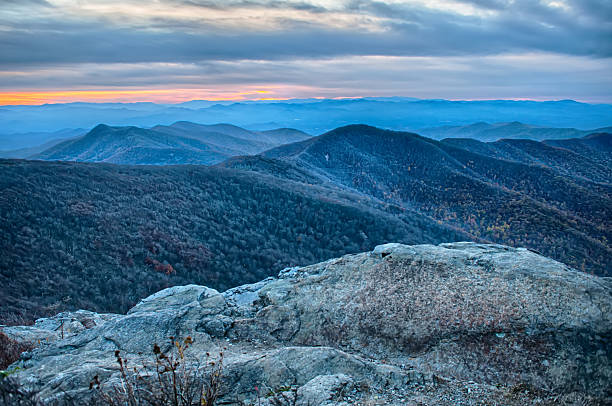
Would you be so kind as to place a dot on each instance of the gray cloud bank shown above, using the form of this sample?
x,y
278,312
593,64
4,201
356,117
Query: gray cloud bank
x,y
581,27
40,39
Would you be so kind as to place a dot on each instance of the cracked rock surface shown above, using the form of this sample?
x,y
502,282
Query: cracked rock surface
x,y
446,324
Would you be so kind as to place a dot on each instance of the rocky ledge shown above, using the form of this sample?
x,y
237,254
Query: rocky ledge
x,y
447,324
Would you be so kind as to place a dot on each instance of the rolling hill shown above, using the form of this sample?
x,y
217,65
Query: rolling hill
x,y
24,140
180,143
530,196
233,137
32,151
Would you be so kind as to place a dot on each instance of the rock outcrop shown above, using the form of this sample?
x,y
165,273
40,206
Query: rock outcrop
x,y
458,322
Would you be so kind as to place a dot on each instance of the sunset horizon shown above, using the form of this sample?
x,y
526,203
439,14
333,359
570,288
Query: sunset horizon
x,y
179,96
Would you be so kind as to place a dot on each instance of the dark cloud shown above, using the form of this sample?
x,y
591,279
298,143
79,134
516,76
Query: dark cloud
x,y
413,32
520,26
9,3
269,4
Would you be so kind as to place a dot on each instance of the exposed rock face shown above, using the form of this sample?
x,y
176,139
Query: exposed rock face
x,y
60,326
458,322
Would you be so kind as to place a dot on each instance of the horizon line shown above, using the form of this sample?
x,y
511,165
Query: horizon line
x,y
314,98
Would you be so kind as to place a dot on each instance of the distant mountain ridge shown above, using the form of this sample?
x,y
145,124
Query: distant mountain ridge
x,y
179,143
311,116
10,144
32,151
514,130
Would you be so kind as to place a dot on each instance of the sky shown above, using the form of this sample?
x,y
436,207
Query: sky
x,y
169,51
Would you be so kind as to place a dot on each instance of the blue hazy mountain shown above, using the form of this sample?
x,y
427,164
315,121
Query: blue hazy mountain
x,y
32,151
36,139
312,116
514,130
179,143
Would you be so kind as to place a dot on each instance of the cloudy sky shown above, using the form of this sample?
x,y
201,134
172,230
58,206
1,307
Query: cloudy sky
x,y
177,50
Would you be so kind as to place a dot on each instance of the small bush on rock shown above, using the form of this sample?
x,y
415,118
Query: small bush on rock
x,y
172,379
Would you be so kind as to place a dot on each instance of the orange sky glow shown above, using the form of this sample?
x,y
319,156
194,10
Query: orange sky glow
x,y
126,96
171,96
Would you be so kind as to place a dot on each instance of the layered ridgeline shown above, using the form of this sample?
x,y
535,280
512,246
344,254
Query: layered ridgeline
x,y
459,323
101,237
522,193
588,157
314,116
513,130
179,143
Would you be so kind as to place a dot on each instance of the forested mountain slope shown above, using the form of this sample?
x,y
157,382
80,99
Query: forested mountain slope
x,y
563,212
597,146
101,237
584,161
128,231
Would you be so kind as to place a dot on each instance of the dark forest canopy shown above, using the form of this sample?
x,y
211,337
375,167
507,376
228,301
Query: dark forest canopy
x,y
101,236
554,197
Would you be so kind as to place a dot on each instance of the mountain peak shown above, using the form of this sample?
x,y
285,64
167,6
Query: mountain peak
x,y
100,128
364,128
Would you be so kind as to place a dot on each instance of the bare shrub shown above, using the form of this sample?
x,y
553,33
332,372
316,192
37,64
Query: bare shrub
x,y
172,379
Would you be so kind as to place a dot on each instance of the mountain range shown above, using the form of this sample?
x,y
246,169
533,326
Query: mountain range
x,y
128,231
514,130
517,192
586,157
313,116
174,144
179,143
22,145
